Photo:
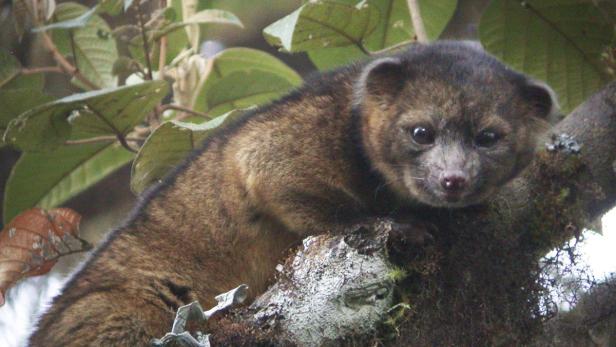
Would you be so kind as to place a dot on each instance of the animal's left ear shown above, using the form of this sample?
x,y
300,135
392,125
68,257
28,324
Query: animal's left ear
x,y
542,98
380,81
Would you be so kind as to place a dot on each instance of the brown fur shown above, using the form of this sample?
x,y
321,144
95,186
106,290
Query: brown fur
x,y
326,156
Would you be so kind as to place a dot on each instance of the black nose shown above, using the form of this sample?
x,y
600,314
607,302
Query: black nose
x,y
453,182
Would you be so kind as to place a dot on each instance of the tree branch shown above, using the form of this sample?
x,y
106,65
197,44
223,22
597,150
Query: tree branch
x,y
418,24
41,69
65,64
146,44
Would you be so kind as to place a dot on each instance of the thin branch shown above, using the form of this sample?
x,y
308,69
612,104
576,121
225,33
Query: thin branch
x,y
162,57
146,44
99,139
166,107
65,64
394,47
119,135
418,24
41,69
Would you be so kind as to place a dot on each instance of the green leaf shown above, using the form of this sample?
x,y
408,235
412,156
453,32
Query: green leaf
x,y
557,41
94,46
21,16
199,18
394,27
111,7
329,58
395,22
242,77
16,101
9,67
11,76
48,179
77,22
321,24
168,145
101,112
176,39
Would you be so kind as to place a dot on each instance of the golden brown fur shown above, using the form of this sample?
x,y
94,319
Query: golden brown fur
x,y
316,161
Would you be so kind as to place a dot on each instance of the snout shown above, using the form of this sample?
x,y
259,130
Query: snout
x,y
453,184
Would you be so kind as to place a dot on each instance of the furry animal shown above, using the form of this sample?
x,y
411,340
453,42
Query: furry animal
x,y
442,125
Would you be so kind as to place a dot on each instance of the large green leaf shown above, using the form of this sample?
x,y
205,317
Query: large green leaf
x,y
168,145
394,27
11,76
242,77
101,112
13,102
320,24
48,179
557,41
94,46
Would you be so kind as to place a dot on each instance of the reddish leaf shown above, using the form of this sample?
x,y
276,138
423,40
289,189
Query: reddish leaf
x,y
32,242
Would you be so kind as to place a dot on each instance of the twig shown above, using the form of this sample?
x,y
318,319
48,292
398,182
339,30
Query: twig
x,y
163,57
98,139
166,107
146,44
418,24
65,64
41,69
119,135
393,48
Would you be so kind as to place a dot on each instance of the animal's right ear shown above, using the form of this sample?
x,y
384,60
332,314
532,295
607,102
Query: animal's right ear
x,y
381,81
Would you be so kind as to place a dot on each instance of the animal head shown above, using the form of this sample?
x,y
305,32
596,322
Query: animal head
x,y
447,124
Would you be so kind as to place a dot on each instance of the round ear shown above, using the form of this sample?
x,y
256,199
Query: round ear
x,y
380,81
542,97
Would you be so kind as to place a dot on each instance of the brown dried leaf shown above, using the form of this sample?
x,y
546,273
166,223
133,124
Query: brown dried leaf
x,y
32,242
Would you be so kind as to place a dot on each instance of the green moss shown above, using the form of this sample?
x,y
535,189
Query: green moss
x,y
397,274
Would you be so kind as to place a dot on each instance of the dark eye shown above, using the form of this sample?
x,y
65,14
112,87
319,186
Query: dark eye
x,y
423,135
487,138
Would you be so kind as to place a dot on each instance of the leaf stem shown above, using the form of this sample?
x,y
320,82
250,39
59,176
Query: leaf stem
x,y
65,64
41,69
394,47
146,44
418,24
99,139
119,135
166,107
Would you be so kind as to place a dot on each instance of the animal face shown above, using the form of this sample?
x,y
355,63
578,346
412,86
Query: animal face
x,y
447,127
